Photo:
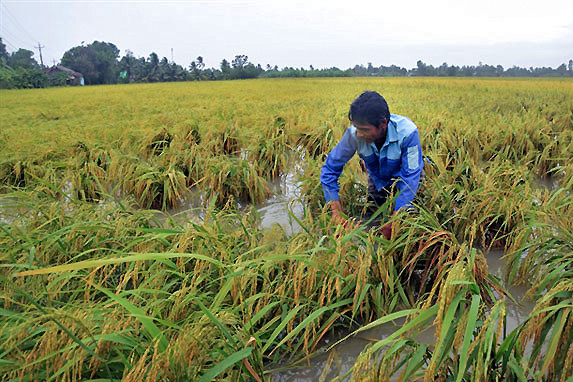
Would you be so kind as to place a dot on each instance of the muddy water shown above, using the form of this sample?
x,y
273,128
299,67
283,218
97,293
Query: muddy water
x,y
278,209
548,182
516,313
284,203
338,361
8,209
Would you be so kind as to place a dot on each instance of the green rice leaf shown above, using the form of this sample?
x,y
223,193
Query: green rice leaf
x,y
281,327
418,321
446,327
311,317
260,314
217,322
378,322
152,330
225,364
559,324
464,352
415,363
118,260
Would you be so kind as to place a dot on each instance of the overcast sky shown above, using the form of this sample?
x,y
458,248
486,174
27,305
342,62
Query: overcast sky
x,y
301,33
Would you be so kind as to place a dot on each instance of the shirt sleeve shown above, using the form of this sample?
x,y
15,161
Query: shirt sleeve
x,y
334,164
410,171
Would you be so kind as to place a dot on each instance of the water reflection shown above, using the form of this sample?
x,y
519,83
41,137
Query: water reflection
x,y
286,197
279,208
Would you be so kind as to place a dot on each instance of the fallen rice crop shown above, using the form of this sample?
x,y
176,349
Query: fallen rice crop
x,y
94,285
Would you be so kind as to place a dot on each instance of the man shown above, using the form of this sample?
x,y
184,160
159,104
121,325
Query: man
x,y
390,147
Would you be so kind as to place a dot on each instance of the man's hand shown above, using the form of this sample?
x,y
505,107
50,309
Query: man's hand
x,y
338,218
387,228
337,213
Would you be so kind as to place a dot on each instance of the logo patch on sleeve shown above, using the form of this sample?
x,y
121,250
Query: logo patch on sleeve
x,y
413,157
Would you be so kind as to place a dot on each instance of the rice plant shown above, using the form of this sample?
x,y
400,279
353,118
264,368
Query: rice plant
x,y
272,150
110,290
89,175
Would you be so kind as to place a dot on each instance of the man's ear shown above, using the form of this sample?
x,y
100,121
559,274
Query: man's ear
x,y
383,124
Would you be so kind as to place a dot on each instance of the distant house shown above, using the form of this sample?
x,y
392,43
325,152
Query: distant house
x,y
73,77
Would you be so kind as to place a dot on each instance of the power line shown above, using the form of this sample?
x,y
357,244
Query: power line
x,y
17,23
8,43
17,40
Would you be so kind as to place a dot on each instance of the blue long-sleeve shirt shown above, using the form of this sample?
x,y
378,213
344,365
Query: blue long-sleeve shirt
x,y
400,158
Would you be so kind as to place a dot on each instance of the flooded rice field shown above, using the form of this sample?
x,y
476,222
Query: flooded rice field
x,y
180,232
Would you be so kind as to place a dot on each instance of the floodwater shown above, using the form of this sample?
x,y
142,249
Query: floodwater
x,y
8,209
549,183
328,365
337,362
279,208
515,313
284,203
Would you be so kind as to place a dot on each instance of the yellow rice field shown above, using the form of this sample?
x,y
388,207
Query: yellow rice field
x,y
94,286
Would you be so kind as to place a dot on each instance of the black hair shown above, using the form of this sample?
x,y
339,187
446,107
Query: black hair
x,y
369,108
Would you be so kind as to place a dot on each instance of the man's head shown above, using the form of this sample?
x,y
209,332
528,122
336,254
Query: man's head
x,y
369,113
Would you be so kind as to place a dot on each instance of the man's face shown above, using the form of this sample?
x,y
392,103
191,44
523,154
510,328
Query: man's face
x,y
370,133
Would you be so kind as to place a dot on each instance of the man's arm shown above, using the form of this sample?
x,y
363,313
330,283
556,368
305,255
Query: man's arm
x,y
412,165
332,169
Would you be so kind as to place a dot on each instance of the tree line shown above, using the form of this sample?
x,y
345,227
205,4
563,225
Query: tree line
x,y
100,63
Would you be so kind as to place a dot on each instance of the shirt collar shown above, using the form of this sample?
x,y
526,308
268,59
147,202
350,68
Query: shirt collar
x,y
391,135
392,131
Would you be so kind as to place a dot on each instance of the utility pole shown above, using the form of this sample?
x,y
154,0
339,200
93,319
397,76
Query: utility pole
x,y
171,55
40,49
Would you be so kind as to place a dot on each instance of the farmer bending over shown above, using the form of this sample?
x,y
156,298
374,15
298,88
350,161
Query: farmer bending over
x,y
390,147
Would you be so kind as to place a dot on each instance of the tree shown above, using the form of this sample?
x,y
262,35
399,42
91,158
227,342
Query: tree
x,y
22,58
225,69
200,63
3,52
421,68
212,74
486,70
164,70
196,69
453,71
20,70
152,68
443,70
562,70
240,61
360,70
59,79
96,61
128,64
